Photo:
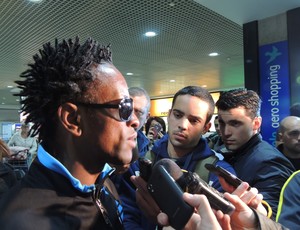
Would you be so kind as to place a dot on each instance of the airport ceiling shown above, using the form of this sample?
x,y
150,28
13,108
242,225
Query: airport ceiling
x,y
187,31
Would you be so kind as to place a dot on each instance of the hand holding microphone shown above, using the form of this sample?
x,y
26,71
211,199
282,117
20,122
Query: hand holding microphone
x,y
242,215
190,182
166,184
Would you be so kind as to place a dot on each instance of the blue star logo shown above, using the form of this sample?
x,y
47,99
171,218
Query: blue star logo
x,y
273,55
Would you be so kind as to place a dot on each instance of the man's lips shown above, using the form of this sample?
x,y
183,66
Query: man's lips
x,y
229,142
133,137
180,135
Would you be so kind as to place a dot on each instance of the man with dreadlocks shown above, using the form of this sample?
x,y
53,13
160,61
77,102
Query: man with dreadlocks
x,y
79,105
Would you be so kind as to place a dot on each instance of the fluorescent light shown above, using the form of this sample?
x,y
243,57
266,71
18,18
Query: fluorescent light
x,y
35,0
150,34
172,80
10,86
129,74
213,54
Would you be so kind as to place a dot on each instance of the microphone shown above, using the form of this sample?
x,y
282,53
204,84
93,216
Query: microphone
x,y
192,183
168,195
172,168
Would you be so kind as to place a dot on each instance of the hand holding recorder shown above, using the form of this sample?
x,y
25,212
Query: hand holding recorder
x,y
252,201
166,184
242,216
228,176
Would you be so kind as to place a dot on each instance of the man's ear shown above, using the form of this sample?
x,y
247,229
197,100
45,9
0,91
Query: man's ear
x,y
169,114
257,123
206,128
148,115
279,137
69,118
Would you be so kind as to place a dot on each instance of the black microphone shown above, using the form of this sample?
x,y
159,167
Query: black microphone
x,y
172,168
192,183
168,195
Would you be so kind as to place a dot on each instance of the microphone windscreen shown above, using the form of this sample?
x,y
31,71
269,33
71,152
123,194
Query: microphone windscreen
x,y
172,168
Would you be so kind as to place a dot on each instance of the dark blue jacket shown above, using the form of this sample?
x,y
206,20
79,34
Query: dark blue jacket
x,y
289,204
142,143
263,167
133,217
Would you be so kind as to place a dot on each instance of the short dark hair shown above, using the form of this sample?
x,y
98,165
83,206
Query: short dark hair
x,y
240,98
59,73
202,94
159,120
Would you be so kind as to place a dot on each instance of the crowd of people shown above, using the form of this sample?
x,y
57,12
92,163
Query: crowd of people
x,y
92,128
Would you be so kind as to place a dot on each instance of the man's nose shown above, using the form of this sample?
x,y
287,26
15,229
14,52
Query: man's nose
x,y
134,121
183,123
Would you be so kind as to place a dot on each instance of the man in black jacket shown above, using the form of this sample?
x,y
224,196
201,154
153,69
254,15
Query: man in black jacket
x,y
254,160
79,105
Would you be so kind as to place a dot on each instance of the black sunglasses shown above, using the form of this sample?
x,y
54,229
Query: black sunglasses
x,y
125,107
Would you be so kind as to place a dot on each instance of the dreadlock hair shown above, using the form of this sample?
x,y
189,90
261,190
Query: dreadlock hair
x,y
60,73
240,97
202,94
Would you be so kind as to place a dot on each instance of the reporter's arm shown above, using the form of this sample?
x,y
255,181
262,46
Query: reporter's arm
x,y
265,223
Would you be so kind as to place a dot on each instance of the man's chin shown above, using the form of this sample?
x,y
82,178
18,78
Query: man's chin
x,y
232,148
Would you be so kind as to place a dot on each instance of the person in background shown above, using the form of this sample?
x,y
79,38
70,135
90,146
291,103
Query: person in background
x,y
215,141
8,176
189,118
288,135
141,108
289,203
25,140
155,129
254,160
79,105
